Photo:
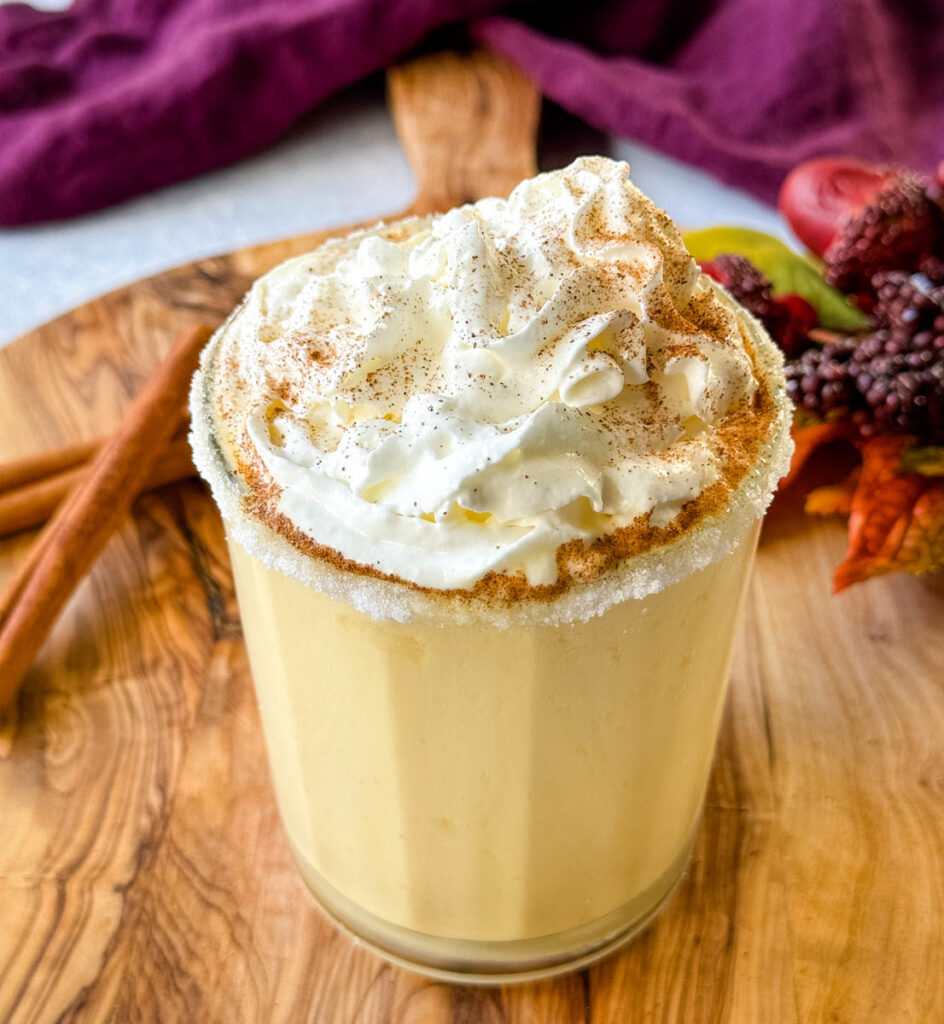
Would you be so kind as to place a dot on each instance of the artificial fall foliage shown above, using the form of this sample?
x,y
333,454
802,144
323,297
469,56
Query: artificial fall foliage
x,y
896,515
865,360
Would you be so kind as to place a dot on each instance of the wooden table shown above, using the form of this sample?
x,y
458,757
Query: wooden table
x,y
143,872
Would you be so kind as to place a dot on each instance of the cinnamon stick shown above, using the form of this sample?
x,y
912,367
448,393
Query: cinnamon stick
x,y
46,464
31,504
27,565
22,575
81,527
31,468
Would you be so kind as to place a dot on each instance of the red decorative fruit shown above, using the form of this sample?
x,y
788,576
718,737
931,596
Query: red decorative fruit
x,y
816,196
794,319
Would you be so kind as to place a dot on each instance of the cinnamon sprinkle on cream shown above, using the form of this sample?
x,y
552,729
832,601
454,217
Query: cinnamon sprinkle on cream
x,y
507,405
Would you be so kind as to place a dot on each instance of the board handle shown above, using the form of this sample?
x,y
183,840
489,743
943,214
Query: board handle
x,y
468,125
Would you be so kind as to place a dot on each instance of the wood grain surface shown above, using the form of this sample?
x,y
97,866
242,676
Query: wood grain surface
x,y
143,872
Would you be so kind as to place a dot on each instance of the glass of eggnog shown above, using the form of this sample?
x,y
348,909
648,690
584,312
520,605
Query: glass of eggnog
x,y
492,483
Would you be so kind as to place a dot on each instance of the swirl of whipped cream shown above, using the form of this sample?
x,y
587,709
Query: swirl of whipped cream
x,y
453,396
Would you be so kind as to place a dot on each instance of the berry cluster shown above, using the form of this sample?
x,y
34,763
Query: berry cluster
x,y
788,319
743,281
875,386
900,225
910,305
892,379
819,381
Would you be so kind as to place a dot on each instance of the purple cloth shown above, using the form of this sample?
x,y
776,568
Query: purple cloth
x,y
752,87
116,97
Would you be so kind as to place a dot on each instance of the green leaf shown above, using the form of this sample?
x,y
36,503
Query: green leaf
x,y
929,460
789,272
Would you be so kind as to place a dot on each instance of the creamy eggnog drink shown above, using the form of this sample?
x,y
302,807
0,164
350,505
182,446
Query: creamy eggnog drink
x,y
492,482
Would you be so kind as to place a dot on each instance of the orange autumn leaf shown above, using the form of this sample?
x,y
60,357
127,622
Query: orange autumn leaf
x,y
896,519
922,547
884,494
833,499
806,440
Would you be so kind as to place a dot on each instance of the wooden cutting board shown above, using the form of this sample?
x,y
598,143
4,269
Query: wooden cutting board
x,y
143,873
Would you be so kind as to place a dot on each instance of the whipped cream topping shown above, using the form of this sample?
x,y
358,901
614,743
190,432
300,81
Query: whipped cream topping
x,y
447,397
